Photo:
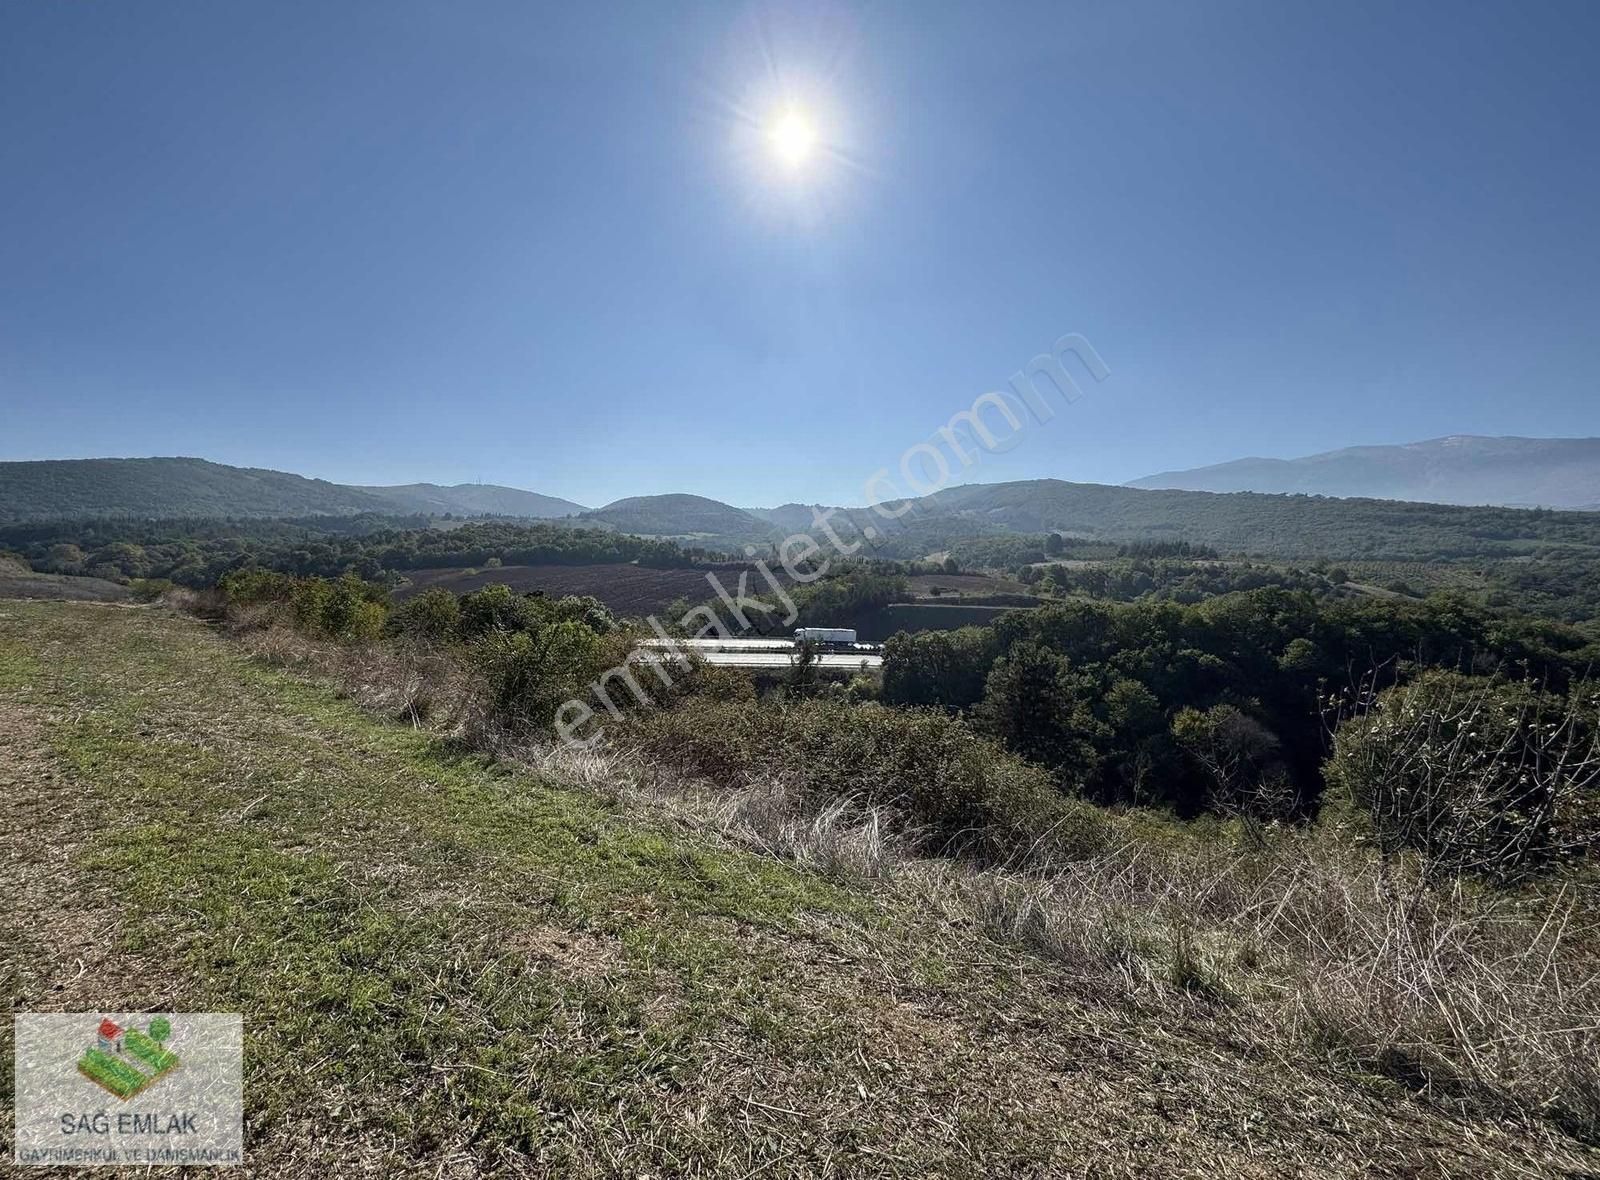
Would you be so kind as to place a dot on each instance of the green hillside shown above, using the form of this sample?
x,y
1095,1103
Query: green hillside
x,y
1290,526
473,499
679,515
54,488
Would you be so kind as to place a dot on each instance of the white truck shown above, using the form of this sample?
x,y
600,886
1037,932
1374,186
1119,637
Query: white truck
x,y
825,636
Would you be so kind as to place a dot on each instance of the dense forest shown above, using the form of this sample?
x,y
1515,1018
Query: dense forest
x,y
1130,703
198,552
1181,580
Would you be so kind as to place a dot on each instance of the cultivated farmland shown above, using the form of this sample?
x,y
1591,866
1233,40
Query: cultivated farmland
x,y
951,585
629,590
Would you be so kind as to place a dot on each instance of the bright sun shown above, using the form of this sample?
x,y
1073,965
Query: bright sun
x,y
792,137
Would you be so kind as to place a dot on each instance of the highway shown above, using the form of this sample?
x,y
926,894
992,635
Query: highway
x,y
771,653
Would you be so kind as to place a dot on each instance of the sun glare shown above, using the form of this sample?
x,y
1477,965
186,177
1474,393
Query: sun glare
x,y
792,137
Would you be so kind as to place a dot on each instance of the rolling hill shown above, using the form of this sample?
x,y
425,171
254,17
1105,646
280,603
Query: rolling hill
x,y
1293,526
1285,525
679,515
791,518
474,499
169,487
172,487
1460,469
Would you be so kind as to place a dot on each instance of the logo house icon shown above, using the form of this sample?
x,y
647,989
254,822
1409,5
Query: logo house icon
x,y
125,1061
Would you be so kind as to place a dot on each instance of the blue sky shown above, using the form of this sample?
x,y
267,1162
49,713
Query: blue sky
x,y
549,246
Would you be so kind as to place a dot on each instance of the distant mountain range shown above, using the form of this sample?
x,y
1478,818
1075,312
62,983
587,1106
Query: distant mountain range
x,y
1240,522
1461,469
1247,522
54,488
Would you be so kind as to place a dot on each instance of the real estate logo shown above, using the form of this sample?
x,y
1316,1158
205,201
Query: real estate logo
x,y
129,1088
125,1061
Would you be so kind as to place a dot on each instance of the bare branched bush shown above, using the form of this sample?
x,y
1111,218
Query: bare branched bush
x,y
1479,776
1242,759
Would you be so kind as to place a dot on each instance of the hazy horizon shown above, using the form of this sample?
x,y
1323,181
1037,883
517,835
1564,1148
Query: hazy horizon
x,y
958,479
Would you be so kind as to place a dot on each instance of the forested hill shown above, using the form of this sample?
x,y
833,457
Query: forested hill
x,y
54,489
1251,522
679,515
473,499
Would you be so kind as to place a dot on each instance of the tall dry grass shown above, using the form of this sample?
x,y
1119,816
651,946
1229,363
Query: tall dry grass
x,y
413,683
1485,1001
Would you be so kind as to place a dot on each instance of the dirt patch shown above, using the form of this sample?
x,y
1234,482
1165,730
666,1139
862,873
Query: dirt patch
x,y
573,953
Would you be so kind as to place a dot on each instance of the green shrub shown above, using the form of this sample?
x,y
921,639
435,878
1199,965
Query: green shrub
x,y
432,616
149,589
944,668
348,609
528,676
578,608
708,682
249,587
497,608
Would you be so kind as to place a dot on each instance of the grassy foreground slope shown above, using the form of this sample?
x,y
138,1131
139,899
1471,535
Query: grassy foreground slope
x,y
449,968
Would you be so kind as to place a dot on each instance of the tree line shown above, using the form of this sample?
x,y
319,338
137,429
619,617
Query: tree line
x,y
1192,707
197,552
